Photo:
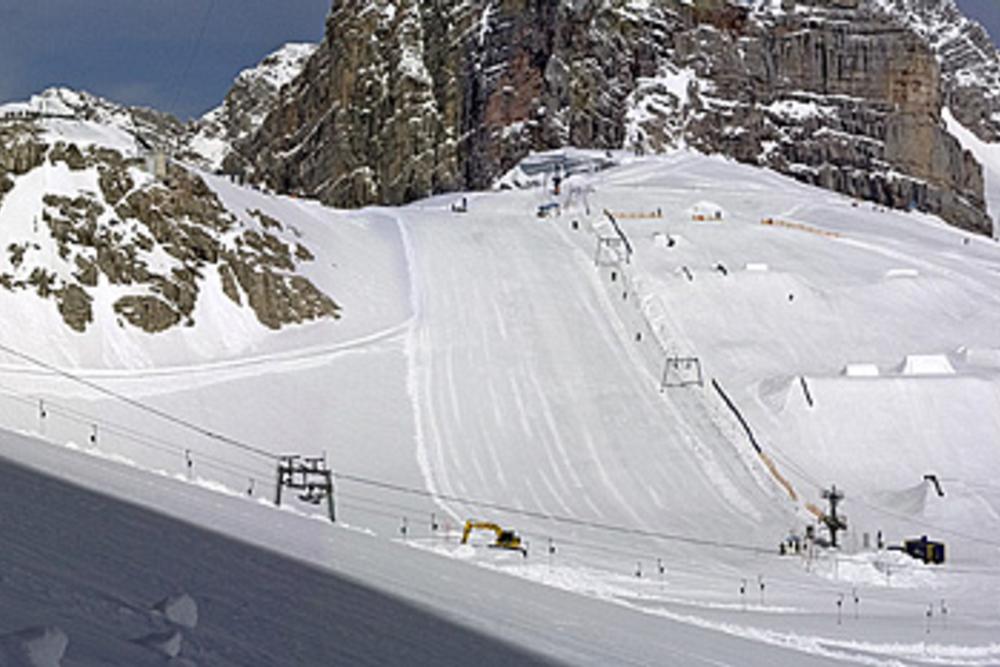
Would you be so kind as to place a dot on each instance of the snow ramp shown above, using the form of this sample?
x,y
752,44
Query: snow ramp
x,y
879,436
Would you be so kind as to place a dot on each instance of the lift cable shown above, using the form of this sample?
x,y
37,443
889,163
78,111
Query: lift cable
x,y
557,518
139,405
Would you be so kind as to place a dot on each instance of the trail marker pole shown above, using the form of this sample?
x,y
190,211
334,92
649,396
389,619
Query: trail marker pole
x,y
840,606
661,569
42,414
402,528
188,463
944,615
857,600
929,614
743,594
93,434
760,582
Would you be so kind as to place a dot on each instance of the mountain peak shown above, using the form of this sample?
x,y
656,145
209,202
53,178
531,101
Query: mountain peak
x,y
254,93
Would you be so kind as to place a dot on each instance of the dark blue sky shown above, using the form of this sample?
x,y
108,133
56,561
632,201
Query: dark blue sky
x,y
148,52
986,12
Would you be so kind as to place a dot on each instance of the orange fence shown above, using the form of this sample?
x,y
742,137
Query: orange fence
x,y
771,222
637,215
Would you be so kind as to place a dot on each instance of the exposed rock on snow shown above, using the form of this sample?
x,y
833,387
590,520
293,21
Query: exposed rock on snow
x,y
179,609
33,647
149,241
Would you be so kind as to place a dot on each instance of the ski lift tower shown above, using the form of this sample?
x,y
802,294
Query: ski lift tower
x,y
832,521
681,372
311,476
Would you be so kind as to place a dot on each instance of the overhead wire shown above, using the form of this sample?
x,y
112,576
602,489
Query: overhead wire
x,y
418,492
132,435
359,479
556,518
875,507
139,405
568,520
193,55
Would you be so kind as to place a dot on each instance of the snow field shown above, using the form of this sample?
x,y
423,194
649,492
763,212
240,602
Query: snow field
x,y
492,362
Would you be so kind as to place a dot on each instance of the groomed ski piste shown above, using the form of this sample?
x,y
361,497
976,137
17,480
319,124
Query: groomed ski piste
x,y
569,380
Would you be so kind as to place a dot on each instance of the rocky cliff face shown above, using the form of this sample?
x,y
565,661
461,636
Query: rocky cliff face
x,y
411,97
970,63
837,96
251,98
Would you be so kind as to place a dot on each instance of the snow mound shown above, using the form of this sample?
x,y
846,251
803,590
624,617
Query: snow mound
x,y
464,551
33,647
166,643
704,211
663,240
927,364
901,273
860,371
911,501
876,569
180,610
988,357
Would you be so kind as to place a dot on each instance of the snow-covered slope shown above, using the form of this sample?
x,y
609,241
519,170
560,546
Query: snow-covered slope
x,y
988,155
109,119
510,368
124,257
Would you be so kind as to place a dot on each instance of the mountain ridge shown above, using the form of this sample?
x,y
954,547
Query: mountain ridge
x,y
406,99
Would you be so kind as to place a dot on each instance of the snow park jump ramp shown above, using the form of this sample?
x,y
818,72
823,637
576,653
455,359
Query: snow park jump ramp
x,y
886,433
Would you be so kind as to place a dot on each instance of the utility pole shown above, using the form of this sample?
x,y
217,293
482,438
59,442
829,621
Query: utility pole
x,y
833,522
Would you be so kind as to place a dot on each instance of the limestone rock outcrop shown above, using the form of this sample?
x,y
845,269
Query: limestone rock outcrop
x,y
410,97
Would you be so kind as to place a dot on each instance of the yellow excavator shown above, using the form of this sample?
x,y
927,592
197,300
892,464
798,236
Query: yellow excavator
x,y
505,539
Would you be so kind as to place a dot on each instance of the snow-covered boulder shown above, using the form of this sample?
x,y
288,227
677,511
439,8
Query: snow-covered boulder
x,y
166,643
33,647
180,610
